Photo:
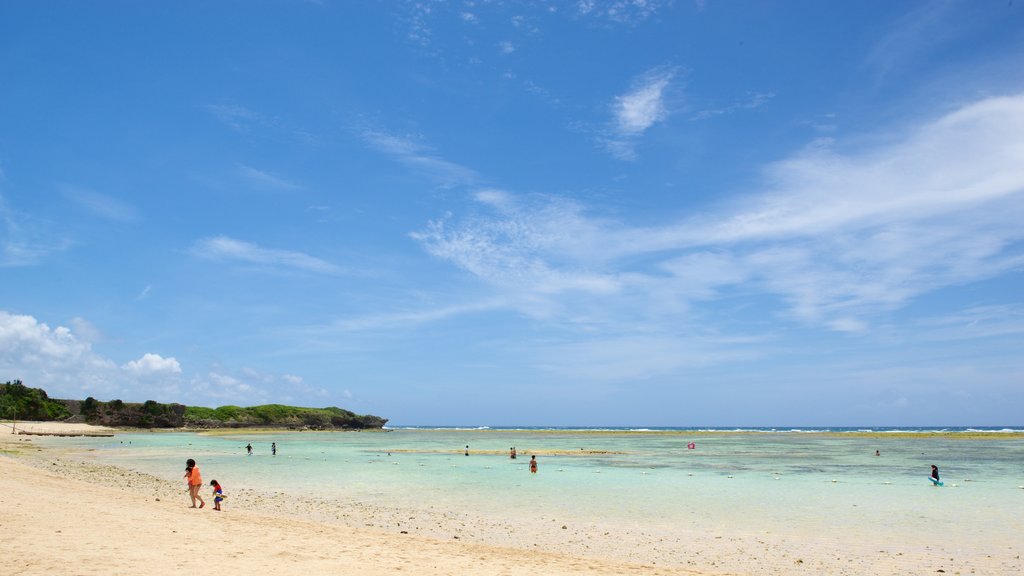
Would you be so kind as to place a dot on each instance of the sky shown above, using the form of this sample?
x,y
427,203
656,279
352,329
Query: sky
x,y
497,213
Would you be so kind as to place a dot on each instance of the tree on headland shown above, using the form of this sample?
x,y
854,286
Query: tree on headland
x,y
24,403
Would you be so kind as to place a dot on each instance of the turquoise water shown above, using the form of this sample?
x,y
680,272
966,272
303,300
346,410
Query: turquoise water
x,y
752,481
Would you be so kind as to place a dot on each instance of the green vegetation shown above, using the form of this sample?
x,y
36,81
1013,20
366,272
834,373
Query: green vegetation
x,y
17,401
20,402
149,414
279,415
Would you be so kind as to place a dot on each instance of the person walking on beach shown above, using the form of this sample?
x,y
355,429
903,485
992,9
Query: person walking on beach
x,y
273,448
195,481
218,495
533,464
248,449
935,474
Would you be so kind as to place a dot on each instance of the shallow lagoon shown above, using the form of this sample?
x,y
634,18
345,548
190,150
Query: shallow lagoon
x,y
800,483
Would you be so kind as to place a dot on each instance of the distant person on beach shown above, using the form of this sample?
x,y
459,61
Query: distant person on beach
x,y
877,453
467,449
273,448
218,495
512,452
935,473
195,481
248,449
533,464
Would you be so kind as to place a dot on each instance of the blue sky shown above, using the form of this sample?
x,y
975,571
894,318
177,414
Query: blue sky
x,y
538,213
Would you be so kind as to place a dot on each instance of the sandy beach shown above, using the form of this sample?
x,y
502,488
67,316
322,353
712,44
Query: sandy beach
x,y
64,514
58,522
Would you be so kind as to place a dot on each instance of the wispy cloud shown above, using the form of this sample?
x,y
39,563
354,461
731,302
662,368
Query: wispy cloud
x,y
245,121
751,102
102,205
238,118
25,240
637,110
419,158
835,236
223,248
263,179
410,318
911,36
621,11
991,321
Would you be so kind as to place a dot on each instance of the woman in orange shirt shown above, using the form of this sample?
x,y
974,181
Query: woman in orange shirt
x,y
195,481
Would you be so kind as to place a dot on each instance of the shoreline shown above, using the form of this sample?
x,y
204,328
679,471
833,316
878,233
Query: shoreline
x,y
57,428
710,547
167,537
1013,434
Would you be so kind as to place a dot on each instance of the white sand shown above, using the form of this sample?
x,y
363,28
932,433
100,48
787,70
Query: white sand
x,y
57,525
53,428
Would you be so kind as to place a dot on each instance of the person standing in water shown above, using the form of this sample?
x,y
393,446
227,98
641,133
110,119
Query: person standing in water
x,y
935,474
248,449
533,464
273,448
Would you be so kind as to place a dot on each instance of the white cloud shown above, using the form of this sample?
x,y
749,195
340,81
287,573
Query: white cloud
x,y
621,11
85,329
249,386
530,246
836,236
65,365
153,364
411,318
221,387
636,111
497,198
506,47
419,158
640,108
223,248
